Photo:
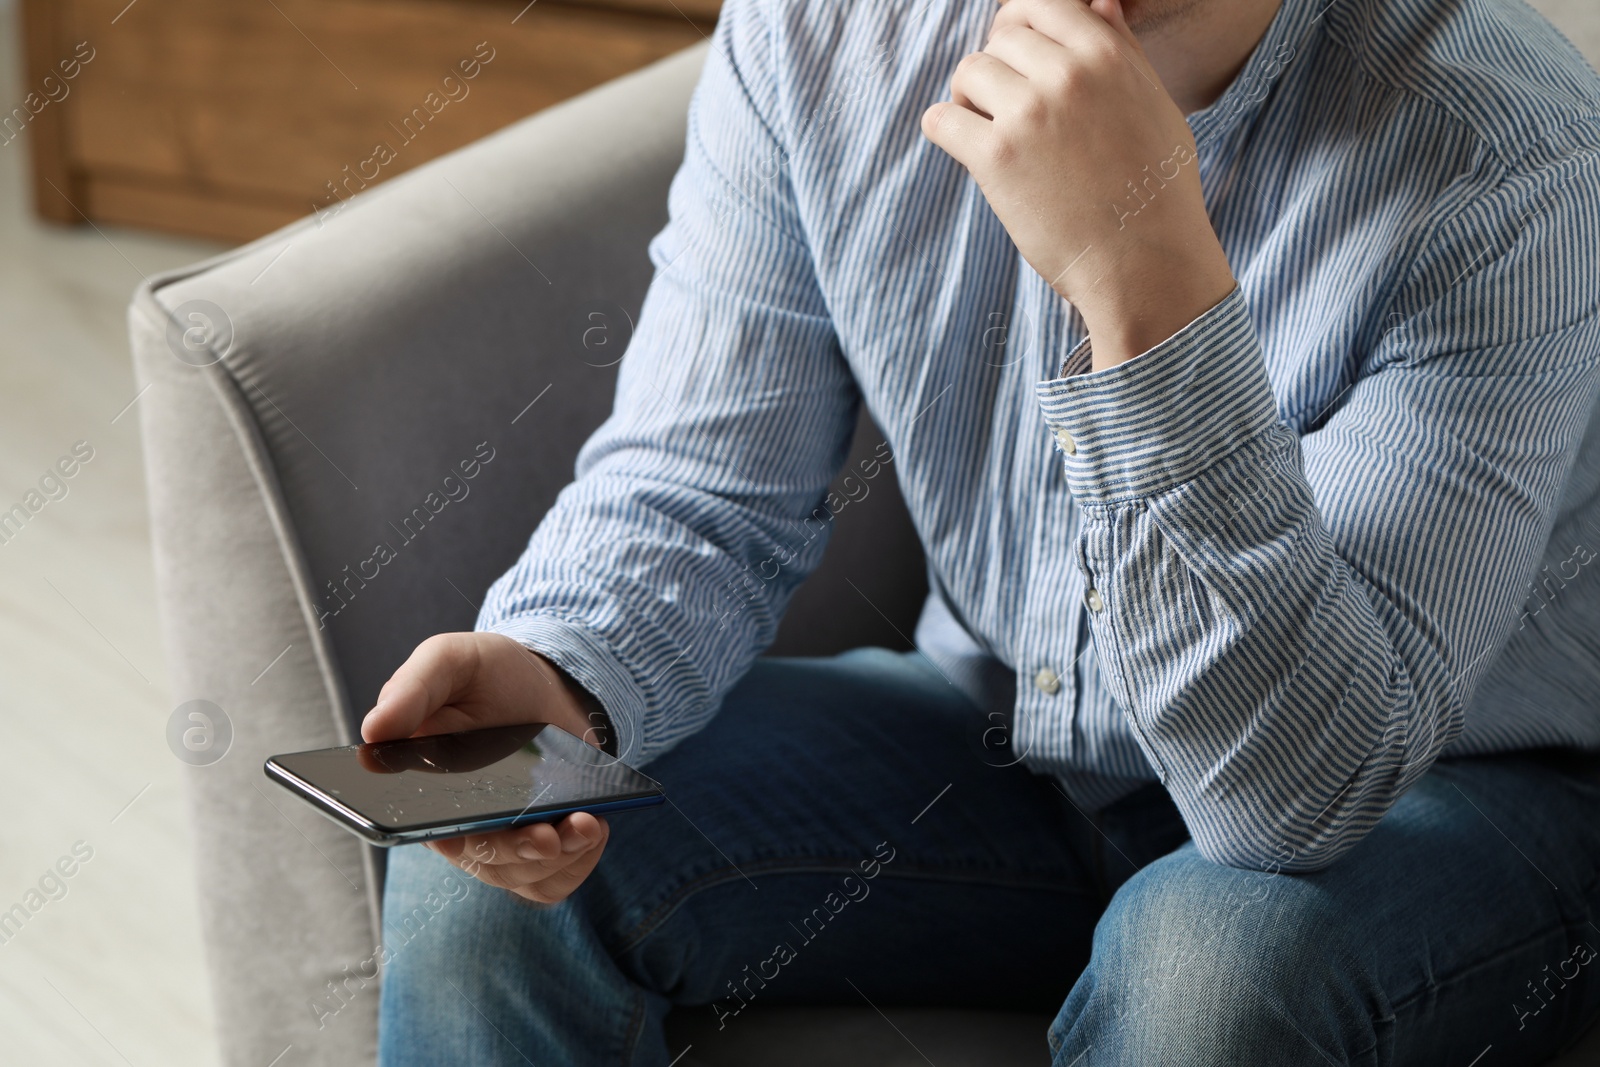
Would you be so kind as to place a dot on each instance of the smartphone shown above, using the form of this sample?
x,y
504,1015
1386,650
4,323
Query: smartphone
x,y
447,785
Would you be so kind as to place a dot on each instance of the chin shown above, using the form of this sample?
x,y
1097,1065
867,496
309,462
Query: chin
x,y
1144,16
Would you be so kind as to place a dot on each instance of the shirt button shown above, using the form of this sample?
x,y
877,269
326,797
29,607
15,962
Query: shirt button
x,y
1068,445
1047,681
1092,598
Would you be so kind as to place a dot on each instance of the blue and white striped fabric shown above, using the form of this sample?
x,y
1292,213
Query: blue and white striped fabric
x,y
1343,522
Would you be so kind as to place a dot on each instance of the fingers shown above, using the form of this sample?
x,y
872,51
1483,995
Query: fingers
x,y
1064,21
542,862
561,885
955,129
541,841
1032,55
439,668
1032,45
985,84
581,831
1046,16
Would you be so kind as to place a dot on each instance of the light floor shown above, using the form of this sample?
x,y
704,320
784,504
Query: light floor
x,y
111,973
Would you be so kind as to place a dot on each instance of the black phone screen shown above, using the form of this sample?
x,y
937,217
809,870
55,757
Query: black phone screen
x,y
478,779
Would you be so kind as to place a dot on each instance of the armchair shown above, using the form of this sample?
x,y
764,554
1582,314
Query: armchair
x,y
305,396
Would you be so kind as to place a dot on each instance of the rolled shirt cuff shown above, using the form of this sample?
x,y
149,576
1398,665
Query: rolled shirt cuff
x,y
1159,419
590,663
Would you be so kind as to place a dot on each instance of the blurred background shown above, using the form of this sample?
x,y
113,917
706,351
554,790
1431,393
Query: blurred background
x,y
135,137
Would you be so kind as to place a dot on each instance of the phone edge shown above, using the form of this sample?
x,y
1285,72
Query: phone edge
x,y
353,821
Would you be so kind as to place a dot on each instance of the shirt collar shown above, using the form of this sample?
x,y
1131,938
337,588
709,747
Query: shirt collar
x,y
1278,48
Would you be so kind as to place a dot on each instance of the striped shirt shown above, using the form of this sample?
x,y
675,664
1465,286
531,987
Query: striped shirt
x,y
1341,524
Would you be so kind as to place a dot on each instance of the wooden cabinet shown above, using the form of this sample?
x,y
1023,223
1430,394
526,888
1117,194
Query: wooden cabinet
x,y
229,118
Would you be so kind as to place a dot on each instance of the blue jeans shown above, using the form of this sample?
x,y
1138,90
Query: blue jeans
x,y
844,831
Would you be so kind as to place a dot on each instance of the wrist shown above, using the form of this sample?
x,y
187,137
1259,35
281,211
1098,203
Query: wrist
x,y
1130,314
583,714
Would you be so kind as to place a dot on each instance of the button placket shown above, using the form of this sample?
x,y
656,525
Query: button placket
x,y
1047,700
1093,598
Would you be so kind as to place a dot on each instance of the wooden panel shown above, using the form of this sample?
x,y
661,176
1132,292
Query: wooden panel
x,y
53,189
701,10
176,208
241,95
226,117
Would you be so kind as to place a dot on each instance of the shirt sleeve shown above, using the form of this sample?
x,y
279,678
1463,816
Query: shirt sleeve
x,y
1294,622
662,571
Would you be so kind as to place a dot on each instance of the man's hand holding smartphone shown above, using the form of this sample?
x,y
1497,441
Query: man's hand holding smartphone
x,y
470,681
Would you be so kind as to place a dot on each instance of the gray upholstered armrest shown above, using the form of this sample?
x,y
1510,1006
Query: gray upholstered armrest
x,y
365,356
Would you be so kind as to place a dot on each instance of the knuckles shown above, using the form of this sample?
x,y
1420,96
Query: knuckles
x,y
999,152
969,62
1034,111
1064,79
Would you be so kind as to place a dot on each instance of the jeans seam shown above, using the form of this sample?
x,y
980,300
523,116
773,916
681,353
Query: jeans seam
x,y
630,1036
1460,973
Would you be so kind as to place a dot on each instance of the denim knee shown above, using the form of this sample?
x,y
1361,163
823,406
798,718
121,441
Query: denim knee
x,y
430,912
1200,964
473,974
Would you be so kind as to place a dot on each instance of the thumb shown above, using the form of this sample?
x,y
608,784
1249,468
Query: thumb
x,y
435,673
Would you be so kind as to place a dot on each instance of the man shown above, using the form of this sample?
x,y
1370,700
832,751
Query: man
x,y
1285,607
